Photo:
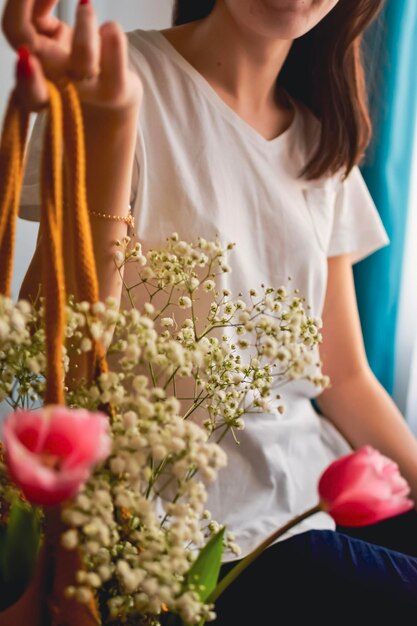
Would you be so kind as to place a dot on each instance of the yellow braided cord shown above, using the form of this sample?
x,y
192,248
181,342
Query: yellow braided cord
x,y
12,147
74,146
84,260
53,275
8,164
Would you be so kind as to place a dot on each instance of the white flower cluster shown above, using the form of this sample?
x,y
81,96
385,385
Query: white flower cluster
x,y
22,354
140,522
235,352
188,365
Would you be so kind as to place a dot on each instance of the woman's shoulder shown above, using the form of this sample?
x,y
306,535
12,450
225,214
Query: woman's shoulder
x,y
142,43
146,50
307,137
309,126
306,134
154,60
140,38
311,123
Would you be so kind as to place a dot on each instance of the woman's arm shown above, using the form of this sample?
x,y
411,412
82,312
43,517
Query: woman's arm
x,y
357,404
110,145
110,153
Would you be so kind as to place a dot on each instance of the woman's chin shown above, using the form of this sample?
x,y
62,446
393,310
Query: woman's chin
x,y
281,19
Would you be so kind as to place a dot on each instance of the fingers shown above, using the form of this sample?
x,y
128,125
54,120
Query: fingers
x,y
113,62
114,57
29,23
84,59
31,89
20,18
17,23
43,18
48,25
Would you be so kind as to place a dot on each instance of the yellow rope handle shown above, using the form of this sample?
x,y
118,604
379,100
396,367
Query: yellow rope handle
x,y
84,261
53,273
12,147
64,138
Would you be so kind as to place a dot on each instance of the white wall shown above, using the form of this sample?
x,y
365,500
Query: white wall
x,y
131,14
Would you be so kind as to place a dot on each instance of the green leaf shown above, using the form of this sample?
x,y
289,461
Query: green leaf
x,y
19,547
205,570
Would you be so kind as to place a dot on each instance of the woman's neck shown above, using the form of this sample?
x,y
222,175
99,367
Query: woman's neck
x,y
241,65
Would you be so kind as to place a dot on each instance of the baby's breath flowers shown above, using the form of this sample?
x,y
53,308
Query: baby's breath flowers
x,y
190,363
22,354
222,356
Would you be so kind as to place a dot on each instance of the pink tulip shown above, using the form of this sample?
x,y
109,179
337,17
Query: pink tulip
x,y
362,488
50,452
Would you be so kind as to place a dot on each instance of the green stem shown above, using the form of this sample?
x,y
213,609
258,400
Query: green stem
x,y
152,373
165,387
244,563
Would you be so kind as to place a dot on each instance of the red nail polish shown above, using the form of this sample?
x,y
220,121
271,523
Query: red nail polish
x,y
84,2
24,68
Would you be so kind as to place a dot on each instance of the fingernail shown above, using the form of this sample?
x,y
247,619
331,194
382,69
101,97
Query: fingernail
x,y
83,2
24,68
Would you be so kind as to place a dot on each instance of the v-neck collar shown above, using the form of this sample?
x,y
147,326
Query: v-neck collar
x,y
159,39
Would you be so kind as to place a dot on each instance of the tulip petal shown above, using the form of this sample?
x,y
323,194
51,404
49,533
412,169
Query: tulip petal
x,y
30,427
78,438
361,513
93,441
339,475
362,488
65,430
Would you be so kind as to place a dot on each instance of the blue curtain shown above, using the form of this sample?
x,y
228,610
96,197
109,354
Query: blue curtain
x,y
391,59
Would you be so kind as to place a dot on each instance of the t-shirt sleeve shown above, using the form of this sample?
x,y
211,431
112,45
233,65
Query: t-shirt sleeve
x,y
29,208
357,226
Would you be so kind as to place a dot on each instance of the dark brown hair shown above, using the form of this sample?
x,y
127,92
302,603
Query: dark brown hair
x,y
325,71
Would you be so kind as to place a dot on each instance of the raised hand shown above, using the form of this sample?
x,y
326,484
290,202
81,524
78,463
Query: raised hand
x,y
94,57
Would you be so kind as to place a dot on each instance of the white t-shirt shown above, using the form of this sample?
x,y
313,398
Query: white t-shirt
x,y
201,170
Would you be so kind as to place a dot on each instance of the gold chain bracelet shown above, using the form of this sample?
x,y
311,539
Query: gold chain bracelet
x,y
127,219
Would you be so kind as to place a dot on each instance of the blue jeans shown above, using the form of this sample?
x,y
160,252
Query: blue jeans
x,y
361,576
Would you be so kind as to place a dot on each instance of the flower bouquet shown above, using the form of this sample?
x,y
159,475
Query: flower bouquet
x,y
133,484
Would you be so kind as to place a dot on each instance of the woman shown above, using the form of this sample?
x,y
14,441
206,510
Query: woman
x,y
252,120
